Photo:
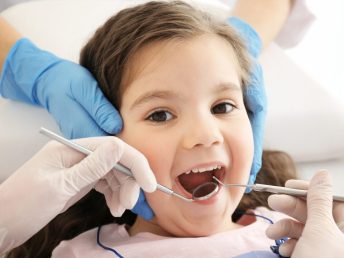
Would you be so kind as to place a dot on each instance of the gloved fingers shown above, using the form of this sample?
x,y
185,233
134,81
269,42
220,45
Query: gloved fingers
x,y
101,186
119,177
285,228
92,143
129,193
112,178
292,206
287,248
110,181
138,164
115,205
111,198
319,199
70,157
297,184
98,108
65,115
79,130
126,186
93,167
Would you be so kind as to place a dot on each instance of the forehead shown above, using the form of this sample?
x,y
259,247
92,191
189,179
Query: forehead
x,y
202,60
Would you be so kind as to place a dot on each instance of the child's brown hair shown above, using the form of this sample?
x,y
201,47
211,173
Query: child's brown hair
x,y
109,53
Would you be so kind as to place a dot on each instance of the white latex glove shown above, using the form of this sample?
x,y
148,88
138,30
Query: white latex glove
x,y
58,176
318,228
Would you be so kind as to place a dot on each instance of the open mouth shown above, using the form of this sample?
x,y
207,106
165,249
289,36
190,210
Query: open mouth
x,y
196,177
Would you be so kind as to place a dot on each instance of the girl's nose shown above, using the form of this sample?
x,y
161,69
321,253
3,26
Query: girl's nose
x,y
202,131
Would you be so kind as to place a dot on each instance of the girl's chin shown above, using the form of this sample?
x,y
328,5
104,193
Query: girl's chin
x,y
194,219
209,221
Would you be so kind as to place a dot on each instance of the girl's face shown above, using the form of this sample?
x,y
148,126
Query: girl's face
x,y
183,109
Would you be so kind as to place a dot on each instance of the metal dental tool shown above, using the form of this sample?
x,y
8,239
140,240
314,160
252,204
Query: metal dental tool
x,y
275,189
118,166
205,191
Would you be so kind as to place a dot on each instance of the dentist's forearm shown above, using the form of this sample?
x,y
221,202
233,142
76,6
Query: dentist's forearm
x,y
8,37
265,16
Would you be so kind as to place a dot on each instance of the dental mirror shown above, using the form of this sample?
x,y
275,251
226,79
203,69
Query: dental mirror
x,y
205,191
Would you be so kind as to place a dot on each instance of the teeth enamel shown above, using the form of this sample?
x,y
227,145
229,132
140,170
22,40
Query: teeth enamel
x,y
200,170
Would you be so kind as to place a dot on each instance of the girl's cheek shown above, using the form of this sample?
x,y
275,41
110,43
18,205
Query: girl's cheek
x,y
156,201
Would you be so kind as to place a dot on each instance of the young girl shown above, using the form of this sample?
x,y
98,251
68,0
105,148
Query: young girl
x,y
177,76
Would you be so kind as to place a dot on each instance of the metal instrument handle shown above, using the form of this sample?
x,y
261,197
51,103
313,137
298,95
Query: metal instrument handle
x,y
286,190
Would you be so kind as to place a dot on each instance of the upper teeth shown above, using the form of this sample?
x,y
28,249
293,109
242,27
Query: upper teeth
x,y
200,170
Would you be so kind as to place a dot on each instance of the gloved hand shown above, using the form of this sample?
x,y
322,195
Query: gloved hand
x,y
314,233
65,89
58,176
254,95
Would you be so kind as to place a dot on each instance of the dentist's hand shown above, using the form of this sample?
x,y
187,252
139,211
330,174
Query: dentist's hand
x,y
65,89
318,229
58,176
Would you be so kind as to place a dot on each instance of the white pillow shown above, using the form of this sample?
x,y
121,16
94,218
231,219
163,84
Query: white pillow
x,y
303,119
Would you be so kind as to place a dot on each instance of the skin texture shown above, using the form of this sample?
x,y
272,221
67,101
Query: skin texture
x,y
209,126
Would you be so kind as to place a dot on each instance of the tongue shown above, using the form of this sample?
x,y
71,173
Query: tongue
x,y
192,180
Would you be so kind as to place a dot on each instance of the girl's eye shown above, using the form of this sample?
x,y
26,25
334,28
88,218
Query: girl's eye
x,y
222,108
160,116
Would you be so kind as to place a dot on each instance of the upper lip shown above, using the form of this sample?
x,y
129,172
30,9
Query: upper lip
x,y
202,165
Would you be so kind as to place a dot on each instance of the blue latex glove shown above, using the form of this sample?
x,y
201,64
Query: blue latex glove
x,y
67,90
142,208
254,94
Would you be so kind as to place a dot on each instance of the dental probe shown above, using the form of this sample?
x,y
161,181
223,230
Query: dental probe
x,y
118,166
276,189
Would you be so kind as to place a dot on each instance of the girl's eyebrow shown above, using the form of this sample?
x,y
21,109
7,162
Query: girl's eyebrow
x,y
168,94
227,86
154,94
